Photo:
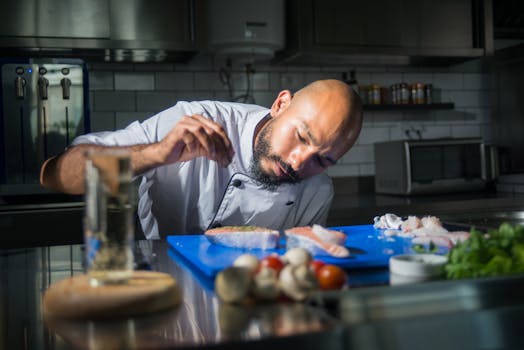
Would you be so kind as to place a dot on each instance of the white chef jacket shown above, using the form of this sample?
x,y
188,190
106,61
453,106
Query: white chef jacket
x,y
190,197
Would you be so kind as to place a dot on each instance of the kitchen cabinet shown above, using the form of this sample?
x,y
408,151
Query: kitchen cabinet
x,y
32,19
386,31
110,29
341,23
160,23
444,25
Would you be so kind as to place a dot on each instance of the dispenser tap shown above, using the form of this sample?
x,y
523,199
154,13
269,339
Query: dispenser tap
x,y
43,84
66,85
20,87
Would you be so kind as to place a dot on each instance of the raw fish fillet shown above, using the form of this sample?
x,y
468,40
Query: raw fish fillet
x,y
387,221
423,230
411,223
251,237
308,239
446,239
329,236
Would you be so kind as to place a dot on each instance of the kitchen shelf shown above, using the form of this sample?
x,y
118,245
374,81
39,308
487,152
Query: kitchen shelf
x,y
408,107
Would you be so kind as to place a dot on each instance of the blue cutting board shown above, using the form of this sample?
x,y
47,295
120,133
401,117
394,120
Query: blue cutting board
x,y
369,247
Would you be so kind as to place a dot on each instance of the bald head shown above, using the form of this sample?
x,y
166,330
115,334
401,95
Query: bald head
x,y
336,104
309,131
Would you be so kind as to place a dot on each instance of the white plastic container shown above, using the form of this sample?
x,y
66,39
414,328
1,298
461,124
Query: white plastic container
x,y
412,268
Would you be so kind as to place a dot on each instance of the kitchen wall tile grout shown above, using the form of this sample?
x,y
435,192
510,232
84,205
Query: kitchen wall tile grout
x,y
153,86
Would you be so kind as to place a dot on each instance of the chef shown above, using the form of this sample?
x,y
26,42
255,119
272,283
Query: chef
x,y
208,164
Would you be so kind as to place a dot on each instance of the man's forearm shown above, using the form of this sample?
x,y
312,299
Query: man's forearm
x,y
65,173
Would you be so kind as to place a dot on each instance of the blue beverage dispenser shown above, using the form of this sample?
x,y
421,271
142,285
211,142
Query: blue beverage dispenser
x,y
43,107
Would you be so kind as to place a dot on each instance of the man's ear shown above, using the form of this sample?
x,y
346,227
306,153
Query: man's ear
x,y
281,103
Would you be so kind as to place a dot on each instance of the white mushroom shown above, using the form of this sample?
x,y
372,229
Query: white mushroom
x,y
248,261
297,282
265,284
233,283
297,256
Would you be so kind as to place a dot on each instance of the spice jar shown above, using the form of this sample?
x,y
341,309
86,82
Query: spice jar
x,y
404,93
418,93
398,93
393,91
374,94
413,92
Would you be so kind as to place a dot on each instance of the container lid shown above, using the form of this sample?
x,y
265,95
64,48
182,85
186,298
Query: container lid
x,y
418,265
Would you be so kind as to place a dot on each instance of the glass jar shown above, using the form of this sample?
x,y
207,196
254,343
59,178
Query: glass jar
x,y
404,93
418,96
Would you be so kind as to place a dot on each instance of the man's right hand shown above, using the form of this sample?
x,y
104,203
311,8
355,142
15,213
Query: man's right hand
x,y
196,136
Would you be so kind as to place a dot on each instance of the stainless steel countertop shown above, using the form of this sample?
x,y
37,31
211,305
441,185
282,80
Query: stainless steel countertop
x,y
469,314
200,321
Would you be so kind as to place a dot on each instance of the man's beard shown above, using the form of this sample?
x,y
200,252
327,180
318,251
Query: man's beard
x,y
262,150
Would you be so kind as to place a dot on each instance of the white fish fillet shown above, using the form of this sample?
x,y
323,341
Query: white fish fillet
x,y
387,221
308,239
329,236
411,223
250,237
423,230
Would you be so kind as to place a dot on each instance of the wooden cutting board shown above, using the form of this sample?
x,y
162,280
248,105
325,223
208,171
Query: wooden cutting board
x,y
145,292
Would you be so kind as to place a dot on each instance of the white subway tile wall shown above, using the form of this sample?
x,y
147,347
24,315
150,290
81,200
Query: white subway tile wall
x,y
121,93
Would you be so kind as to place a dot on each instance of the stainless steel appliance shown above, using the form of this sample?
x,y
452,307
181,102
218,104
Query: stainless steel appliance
x,y
433,166
43,106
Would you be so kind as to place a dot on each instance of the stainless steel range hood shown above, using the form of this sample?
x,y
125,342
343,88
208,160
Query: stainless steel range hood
x,y
111,30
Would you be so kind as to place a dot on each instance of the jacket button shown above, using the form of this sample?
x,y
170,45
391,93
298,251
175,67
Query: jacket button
x,y
236,183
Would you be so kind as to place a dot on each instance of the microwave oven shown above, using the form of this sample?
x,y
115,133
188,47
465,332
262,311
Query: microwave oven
x,y
411,167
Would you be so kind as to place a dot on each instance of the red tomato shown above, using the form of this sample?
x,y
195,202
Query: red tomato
x,y
315,265
272,261
331,277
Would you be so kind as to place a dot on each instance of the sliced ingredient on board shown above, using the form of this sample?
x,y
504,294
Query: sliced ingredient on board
x,y
425,230
328,235
251,237
317,240
498,252
294,275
